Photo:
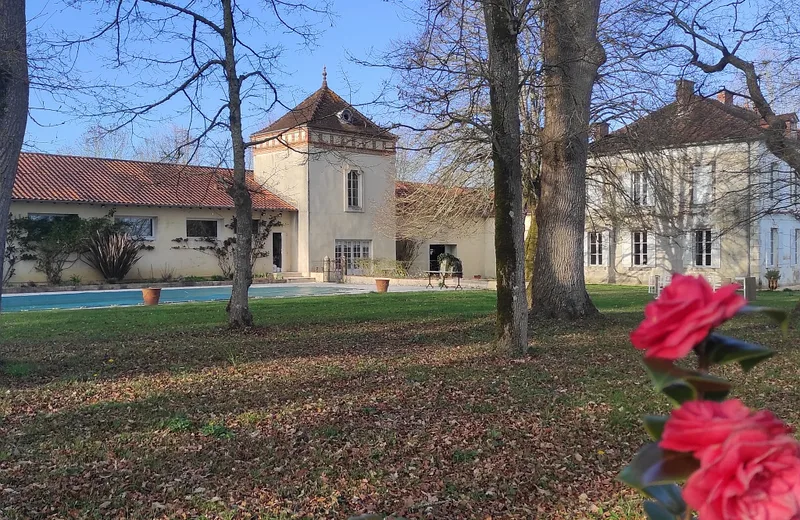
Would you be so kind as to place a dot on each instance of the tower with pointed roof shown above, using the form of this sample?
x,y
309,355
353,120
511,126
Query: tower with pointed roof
x,y
338,168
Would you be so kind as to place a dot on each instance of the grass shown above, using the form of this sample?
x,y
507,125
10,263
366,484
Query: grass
x,y
335,406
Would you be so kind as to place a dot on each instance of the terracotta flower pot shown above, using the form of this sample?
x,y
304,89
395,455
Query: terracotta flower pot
x,y
773,284
382,284
151,295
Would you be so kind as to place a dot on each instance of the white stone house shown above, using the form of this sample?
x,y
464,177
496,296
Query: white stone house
x,y
691,188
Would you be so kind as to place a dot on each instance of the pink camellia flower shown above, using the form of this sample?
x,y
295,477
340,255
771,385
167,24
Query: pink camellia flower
x,y
751,476
698,425
687,310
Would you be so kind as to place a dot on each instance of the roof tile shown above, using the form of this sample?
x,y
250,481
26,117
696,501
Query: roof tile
x,y
65,178
321,110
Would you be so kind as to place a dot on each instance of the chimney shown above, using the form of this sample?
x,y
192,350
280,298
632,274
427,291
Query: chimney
x,y
599,130
725,96
684,91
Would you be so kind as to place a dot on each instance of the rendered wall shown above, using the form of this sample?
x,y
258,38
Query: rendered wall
x,y
170,223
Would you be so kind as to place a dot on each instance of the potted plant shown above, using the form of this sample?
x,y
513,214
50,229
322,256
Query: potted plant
x,y
151,295
772,276
382,284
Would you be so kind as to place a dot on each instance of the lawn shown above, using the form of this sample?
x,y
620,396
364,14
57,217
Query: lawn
x,y
335,406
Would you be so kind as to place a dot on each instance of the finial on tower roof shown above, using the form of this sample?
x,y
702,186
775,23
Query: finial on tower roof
x,y
324,76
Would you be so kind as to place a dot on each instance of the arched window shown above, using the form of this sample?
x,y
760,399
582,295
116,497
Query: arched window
x,y
353,190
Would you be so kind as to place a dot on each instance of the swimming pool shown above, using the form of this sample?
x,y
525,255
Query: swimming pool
x,y
128,297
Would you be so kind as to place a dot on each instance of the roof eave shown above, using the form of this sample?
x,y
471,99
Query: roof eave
x,y
138,205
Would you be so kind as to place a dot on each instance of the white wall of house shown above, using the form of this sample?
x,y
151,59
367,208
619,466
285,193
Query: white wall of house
x,y
284,172
331,218
738,192
469,243
167,255
314,179
779,236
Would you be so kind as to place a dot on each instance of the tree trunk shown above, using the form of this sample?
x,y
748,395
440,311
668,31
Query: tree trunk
x,y
530,249
571,56
512,308
13,106
239,314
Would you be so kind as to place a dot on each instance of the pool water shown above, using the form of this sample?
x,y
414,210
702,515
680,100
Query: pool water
x,y
96,299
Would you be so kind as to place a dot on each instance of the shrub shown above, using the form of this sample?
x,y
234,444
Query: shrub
x,y
382,267
407,252
113,253
53,244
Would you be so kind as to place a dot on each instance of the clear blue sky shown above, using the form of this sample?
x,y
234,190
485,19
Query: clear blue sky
x,y
358,27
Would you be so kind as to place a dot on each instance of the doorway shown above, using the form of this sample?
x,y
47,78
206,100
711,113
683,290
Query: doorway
x,y
435,251
277,252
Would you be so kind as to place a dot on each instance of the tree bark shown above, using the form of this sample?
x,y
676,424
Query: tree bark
x,y
239,314
571,55
512,309
13,106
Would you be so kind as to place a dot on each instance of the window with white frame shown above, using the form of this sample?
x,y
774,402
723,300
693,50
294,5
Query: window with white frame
x,y
139,227
347,253
703,251
202,228
641,254
50,217
702,183
353,191
639,188
773,246
595,244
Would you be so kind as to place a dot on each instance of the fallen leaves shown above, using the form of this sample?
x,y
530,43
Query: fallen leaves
x,y
330,420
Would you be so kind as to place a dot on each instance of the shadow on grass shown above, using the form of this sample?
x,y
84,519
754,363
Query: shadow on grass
x,y
28,365
448,415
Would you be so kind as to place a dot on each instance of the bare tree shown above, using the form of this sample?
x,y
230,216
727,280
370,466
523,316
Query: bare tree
x,y
572,56
504,21
13,105
717,37
97,142
207,51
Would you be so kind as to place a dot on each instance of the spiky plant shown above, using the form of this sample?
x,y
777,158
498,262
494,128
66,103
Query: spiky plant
x,y
112,253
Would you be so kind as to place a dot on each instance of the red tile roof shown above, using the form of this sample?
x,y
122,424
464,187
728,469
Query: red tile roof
x,y
321,110
65,178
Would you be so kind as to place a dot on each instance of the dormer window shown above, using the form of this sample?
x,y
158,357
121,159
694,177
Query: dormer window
x,y
346,115
353,191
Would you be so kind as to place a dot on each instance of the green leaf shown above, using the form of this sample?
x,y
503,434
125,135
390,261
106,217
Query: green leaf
x,y
669,496
724,349
654,424
652,466
778,316
682,385
656,511
680,391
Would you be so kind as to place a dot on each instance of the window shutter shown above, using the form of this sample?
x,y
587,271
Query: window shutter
x,y
716,251
586,248
606,236
688,249
625,246
651,248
